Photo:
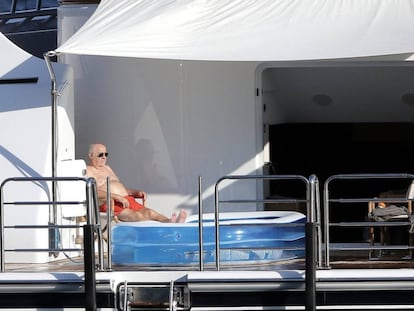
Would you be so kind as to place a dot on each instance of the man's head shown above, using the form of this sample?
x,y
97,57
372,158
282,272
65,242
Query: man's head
x,y
98,154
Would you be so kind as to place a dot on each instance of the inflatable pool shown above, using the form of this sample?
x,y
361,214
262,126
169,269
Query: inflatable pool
x,y
246,237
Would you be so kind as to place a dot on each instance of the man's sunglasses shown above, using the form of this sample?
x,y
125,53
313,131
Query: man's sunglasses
x,y
100,155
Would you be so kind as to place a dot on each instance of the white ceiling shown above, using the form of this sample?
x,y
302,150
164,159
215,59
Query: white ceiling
x,y
368,92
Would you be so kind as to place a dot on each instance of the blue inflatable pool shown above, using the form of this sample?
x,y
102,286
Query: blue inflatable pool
x,y
246,237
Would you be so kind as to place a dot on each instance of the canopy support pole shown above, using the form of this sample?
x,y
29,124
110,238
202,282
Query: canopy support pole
x,y
53,237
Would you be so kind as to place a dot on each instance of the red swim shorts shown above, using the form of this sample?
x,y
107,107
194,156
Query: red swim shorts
x,y
134,205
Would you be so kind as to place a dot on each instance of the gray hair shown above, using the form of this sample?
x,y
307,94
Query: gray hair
x,y
91,148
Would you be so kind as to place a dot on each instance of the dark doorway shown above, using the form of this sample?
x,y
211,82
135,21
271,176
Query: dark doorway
x,y
326,149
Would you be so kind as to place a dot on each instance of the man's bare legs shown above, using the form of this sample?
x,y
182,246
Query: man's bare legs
x,y
149,214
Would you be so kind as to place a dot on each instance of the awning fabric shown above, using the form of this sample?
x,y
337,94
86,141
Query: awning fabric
x,y
246,30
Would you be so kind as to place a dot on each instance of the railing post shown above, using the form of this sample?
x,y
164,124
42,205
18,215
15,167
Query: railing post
x,y
89,248
109,215
310,266
89,262
200,226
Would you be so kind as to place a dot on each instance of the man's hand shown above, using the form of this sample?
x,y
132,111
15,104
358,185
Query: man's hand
x,y
122,200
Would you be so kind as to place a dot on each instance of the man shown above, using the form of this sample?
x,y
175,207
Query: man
x,y
123,202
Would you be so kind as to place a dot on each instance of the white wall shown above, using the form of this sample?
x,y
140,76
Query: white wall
x,y
166,123
25,144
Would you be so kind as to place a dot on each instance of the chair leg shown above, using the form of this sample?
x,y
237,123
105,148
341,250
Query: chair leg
x,y
371,240
384,239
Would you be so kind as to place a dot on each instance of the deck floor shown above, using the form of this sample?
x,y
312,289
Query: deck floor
x,y
345,260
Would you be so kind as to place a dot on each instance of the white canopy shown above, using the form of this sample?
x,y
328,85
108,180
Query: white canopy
x,y
246,30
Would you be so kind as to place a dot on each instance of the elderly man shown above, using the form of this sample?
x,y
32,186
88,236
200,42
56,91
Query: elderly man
x,y
123,202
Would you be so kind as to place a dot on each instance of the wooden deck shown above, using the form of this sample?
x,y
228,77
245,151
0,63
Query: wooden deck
x,y
338,260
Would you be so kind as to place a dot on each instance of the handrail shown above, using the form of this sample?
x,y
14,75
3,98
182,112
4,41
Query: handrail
x,y
312,201
328,200
91,213
92,203
316,217
200,226
313,241
108,222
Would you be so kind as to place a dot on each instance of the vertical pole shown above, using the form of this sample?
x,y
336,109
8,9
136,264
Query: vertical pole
x,y
200,225
310,276
89,262
109,222
53,239
217,229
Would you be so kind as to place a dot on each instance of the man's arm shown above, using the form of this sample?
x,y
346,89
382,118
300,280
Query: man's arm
x,y
137,194
102,196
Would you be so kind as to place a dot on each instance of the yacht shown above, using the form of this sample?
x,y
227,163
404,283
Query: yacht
x,y
306,149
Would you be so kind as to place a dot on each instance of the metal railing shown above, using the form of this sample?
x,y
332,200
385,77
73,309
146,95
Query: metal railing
x,y
310,198
342,200
92,217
